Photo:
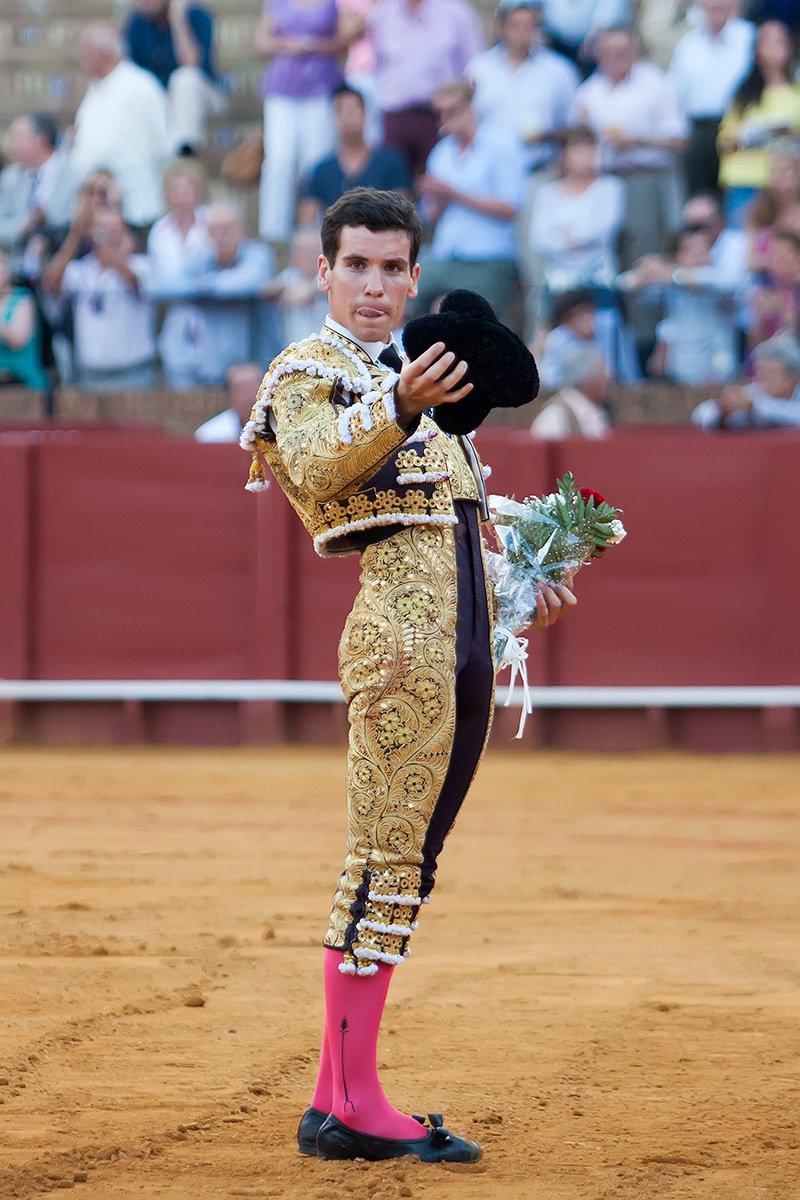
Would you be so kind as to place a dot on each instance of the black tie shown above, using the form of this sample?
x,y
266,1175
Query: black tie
x,y
390,358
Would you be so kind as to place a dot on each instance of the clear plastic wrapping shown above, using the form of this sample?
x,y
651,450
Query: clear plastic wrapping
x,y
538,541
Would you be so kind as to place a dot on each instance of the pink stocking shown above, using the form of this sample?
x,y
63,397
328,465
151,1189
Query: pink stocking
x,y
353,1010
323,1092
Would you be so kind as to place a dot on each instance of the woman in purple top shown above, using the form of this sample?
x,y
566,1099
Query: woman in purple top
x,y
303,39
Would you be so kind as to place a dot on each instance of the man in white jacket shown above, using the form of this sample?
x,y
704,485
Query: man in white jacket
x,y
122,125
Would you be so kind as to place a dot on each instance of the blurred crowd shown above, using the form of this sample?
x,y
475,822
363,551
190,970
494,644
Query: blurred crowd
x,y
620,179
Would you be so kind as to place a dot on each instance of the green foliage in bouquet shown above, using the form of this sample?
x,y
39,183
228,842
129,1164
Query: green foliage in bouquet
x,y
538,541
558,532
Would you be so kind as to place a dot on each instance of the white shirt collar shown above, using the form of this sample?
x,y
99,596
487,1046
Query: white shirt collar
x,y
609,82
43,178
373,349
723,38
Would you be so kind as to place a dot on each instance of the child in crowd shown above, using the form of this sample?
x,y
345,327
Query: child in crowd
x,y
578,322
696,342
775,299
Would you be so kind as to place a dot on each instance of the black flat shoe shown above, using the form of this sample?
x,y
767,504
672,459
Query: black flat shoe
x,y
307,1130
336,1140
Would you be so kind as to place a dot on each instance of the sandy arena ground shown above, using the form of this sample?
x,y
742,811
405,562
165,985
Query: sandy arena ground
x,y
604,991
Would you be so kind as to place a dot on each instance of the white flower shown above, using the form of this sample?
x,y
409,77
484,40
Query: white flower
x,y
618,532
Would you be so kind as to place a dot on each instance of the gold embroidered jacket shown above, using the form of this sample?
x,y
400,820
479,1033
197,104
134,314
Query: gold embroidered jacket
x,y
324,421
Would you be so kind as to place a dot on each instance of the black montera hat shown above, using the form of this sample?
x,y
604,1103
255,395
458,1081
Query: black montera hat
x,y
501,368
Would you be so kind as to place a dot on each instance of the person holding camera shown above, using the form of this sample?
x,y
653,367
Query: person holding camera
x,y
114,336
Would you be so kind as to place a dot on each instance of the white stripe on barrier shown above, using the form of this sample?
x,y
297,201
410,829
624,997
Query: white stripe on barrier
x,y
300,691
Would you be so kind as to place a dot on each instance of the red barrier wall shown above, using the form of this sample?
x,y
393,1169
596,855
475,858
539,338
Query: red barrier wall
x,y
685,592
15,557
136,556
143,557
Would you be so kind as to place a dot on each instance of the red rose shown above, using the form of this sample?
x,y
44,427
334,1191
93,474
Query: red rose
x,y
585,493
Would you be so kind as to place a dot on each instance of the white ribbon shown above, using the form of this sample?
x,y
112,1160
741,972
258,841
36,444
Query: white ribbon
x,y
515,655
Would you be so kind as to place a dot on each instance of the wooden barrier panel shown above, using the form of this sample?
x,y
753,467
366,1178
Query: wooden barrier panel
x,y
20,404
682,599
15,580
180,412
134,556
144,560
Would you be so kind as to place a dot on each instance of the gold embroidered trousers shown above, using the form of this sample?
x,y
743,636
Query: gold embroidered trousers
x,y
419,626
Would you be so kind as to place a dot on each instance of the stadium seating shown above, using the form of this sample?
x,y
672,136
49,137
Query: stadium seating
x,y
38,68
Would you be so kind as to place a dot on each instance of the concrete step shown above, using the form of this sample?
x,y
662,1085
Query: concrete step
x,y
55,41
34,12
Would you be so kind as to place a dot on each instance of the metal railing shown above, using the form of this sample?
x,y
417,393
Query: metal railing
x,y
301,691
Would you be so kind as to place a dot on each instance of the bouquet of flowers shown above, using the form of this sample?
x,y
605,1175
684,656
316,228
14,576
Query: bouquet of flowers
x,y
539,540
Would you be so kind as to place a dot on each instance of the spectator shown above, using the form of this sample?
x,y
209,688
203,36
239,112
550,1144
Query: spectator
x,y
775,299
728,247
577,218
359,67
35,188
777,206
765,104
728,256
303,38
354,163
521,86
572,25
578,322
303,307
696,342
632,108
771,401
121,125
420,45
225,282
243,380
573,325
173,40
99,190
175,241
473,190
707,67
113,318
20,351
578,409
181,234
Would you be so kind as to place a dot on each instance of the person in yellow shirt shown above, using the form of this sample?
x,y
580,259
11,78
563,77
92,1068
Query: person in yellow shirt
x,y
766,104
